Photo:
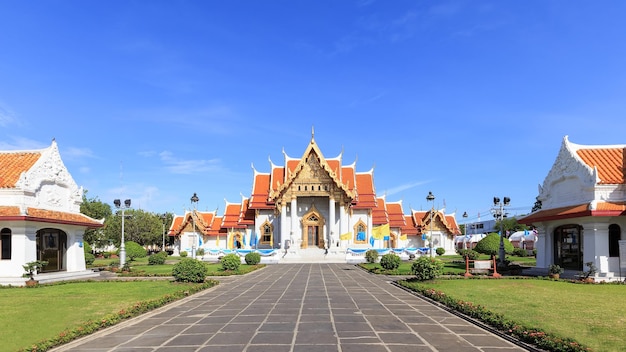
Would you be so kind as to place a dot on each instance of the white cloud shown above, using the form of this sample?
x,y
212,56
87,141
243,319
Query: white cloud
x,y
7,116
191,166
21,143
404,187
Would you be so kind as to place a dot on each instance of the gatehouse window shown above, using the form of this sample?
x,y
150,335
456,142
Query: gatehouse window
x,y
615,235
360,232
5,244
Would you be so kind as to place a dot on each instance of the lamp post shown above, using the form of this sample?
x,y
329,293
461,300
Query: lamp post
x,y
465,230
499,214
118,205
431,198
163,218
194,201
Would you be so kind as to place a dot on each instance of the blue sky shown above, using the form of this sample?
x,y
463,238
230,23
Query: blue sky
x,y
155,100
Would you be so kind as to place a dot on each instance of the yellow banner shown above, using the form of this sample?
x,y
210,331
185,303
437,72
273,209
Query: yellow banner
x,y
380,232
217,241
346,236
403,238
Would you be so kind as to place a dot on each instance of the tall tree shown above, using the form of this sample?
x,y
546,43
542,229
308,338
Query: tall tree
x,y
140,226
96,209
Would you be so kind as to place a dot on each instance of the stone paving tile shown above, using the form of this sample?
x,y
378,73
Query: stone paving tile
x,y
297,308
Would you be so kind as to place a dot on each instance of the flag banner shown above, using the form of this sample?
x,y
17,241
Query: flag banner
x,y
217,241
346,236
371,241
200,240
360,236
386,238
380,232
403,238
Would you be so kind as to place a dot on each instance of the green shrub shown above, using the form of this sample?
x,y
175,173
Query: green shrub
x,y
134,250
490,245
183,254
440,251
230,261
426,268
106,255
200,252
390,261
371,256
190,270
157,258
469,254
89,258
520,252
253,258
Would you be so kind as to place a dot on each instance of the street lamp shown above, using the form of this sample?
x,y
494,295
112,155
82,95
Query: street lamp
x,y
431,198
499,214
118,205
163,218
194,201
465,230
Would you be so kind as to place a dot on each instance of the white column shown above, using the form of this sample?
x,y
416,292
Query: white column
x,y
331,223
293,234
369,227
342,223
283,224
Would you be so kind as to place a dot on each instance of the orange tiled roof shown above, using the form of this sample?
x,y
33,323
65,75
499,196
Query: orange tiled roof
x,y
366,196
410,228
396,215
13,164
575,211
379,213
50,216
609,161
231,216
246,217
260,192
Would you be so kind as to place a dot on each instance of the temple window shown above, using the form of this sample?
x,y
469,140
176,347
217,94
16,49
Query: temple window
x,y
5,244
266,233
360,232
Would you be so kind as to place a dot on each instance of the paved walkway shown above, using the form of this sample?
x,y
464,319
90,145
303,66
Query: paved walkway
x,y
297,307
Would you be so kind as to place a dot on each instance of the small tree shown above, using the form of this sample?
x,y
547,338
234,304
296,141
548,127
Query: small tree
x,y
135,250
426,268
253,258
390,261
371,256
230,261
190,270
490,245
33,267
440,251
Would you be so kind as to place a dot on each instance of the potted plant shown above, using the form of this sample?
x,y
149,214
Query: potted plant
x,y
588,275
555,271
31,268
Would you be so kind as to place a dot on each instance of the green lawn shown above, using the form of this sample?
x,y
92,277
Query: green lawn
x,y
453,265
594,315
29,315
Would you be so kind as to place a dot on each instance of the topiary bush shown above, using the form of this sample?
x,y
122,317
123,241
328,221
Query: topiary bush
x,y
371,256
469,254
190,270
390,261
183,254
252,258
426,268
490,244
134,250
440,251
157,258
89,257
520,252
230,261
